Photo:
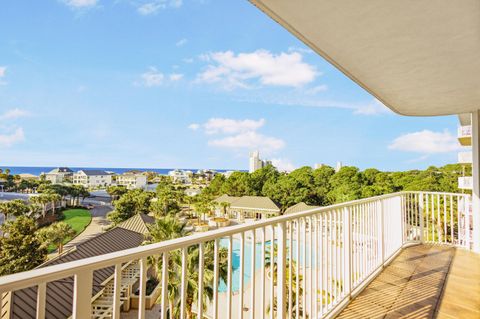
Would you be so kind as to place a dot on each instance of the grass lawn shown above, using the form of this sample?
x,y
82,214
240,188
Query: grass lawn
x,y
78,219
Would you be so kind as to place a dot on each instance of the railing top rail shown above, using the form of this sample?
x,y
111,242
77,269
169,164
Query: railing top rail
x,y
55,272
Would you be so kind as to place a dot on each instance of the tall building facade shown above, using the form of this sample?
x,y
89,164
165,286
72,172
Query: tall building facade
x,y
256,163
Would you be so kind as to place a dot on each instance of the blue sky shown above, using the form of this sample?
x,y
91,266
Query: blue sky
x,y
199,83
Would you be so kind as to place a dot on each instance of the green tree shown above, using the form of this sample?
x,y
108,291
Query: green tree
x,y
129,204
321,179
260,177
238,184
16,207
20,248
346,185
116,191
56,234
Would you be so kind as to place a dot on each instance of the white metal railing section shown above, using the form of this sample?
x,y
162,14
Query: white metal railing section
x,y
323,257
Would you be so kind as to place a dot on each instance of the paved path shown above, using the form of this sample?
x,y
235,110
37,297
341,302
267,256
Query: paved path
x,y
96,226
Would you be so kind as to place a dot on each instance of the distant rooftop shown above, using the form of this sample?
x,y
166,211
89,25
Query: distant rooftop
x,y
60,170
94,172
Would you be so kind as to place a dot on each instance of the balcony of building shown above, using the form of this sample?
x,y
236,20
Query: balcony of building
x,y
465,157
309,264
465,135
465,182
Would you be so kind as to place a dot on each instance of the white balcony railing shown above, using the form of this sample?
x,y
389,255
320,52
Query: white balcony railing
x,y
323,257
465,131
465,157
465,182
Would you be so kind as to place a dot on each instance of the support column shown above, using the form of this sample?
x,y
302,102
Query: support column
x,y
476,180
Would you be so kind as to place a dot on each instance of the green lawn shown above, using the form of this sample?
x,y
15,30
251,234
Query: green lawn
x,y
78,219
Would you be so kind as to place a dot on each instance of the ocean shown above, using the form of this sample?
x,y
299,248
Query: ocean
x,y
37,170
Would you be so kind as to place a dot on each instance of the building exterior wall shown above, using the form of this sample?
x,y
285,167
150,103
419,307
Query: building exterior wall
x,y
132,181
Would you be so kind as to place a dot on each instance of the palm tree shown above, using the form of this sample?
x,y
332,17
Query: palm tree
x,y
170,228
56,234
225,206
15,207
41,200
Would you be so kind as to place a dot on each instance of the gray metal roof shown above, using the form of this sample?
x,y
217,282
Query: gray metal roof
x,y
255,203
94,172
137,223
60,292
299,207
226,199
60,170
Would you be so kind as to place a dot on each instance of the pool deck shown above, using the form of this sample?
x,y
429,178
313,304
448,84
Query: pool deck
x,y
423,281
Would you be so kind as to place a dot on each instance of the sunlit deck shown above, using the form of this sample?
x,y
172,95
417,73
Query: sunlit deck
x,y
424,281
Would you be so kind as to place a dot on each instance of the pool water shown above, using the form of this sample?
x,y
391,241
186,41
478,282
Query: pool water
x,y
247,267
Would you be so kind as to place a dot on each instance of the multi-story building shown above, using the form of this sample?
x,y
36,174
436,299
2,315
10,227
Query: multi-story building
x,y
59,175
256,163
92,178
180,176
132,180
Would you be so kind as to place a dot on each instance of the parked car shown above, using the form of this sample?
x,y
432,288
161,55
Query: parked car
x,y
90,206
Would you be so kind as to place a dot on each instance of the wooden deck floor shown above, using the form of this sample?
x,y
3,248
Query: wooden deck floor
x,y
424,281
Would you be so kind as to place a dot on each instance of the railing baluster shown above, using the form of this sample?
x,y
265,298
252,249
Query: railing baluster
x,y
315,266
82,295
459,221
321,260
444,218
290,270
142,288
242,272
297,268
272,273
310,268
330,258
183,288
229,277
452,239
304,267
282,270
433,218
216,279
438,219
164,300
117,287
262,273
41,298
200,280
427,196
253,277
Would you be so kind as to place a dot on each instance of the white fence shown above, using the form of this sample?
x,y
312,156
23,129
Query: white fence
x,y
304,265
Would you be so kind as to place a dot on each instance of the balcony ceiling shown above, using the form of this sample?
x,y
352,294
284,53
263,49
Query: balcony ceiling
x,y
419,57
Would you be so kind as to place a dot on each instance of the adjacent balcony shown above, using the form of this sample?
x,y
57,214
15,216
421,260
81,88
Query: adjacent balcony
x,y
465,158
465,135
310,264
465,182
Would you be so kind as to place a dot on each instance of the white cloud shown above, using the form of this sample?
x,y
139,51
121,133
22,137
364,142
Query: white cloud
x,y
231,126
194,126
373,108
3,72
249,141
152,77
239,135
7,140
14,114
426,142
152,7
299,49
283,164
261,67
175,77
79,4
181,42
317,89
